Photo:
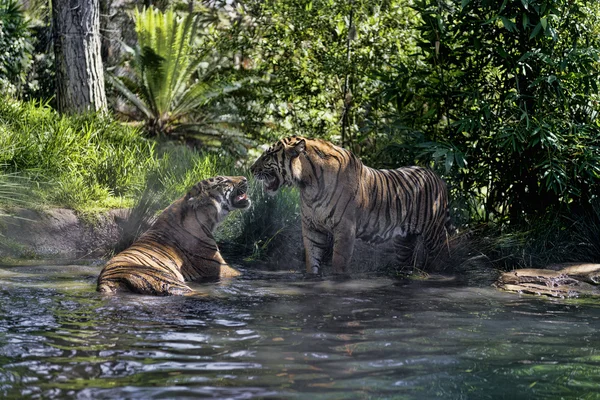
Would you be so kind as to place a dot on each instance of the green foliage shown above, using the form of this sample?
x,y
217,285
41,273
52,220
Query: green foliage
x,y
72,161
16,47
176,85
181,167
321,61
505,97
255,231
41,77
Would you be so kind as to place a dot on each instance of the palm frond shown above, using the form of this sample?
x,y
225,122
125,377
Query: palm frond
x,y
129,95
175,79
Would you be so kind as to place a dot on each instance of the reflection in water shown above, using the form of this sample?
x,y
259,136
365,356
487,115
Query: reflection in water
x,y
276,336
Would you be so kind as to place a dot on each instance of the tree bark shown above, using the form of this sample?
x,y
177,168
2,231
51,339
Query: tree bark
x,y
79,71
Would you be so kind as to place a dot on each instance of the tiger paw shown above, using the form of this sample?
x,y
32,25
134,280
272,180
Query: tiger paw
x,y
308,276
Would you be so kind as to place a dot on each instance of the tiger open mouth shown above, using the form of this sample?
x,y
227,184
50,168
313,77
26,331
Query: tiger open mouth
x,y
270,182
239,198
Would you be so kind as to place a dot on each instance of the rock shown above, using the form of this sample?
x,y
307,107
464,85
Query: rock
x,y
572,280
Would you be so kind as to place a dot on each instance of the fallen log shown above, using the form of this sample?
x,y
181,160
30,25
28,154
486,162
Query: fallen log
x,y
572,280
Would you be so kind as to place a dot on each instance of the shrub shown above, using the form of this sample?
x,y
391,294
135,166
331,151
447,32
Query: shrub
x,y
176,84
15,42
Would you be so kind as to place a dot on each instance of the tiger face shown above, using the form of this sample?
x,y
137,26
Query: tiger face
x,y
227,192
278,166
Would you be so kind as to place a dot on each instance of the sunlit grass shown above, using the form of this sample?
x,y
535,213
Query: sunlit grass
x,y
74,162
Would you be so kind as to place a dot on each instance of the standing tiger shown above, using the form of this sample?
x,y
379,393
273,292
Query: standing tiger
x,y
342,199
179,246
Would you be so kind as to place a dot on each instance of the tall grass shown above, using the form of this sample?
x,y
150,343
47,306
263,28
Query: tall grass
x,y
75,162
548,240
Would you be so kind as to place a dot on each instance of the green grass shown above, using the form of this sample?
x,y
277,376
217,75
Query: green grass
x,y
76,162
92,161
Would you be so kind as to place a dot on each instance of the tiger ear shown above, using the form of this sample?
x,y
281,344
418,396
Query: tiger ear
x,y
296,149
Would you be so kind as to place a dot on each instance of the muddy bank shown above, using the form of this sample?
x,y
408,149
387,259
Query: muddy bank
x,y
62,233
58,233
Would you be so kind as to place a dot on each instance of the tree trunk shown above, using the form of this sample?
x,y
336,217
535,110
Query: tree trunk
x,y
79,73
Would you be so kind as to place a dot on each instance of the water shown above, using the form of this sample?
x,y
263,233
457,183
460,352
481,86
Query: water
x,y
273,335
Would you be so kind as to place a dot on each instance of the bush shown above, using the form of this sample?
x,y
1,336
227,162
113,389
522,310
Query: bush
x,y
16,45
504,98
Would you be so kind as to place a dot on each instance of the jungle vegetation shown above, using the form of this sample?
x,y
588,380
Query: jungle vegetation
x,y
499,97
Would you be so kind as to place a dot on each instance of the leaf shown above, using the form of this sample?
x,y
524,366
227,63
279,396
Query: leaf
x,y
508,24
440,152
449,162
132,97
536,30
502,52
525,56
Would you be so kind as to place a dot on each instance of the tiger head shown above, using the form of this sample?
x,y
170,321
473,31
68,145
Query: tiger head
x,y
226,193
278,166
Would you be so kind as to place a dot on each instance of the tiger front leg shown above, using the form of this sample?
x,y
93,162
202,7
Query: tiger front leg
x,y
407,253
316,244
343,247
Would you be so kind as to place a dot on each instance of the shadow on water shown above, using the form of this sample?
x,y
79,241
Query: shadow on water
x,y
275,335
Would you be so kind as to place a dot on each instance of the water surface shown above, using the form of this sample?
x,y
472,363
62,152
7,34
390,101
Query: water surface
x,y
274,335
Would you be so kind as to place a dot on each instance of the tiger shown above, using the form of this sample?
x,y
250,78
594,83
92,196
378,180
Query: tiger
x,y
342,199
179,246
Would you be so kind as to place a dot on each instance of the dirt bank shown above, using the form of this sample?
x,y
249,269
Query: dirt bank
x,y
57,233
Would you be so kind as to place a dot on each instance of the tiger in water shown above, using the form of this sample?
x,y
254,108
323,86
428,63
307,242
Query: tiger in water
x,y
342,199
179,246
